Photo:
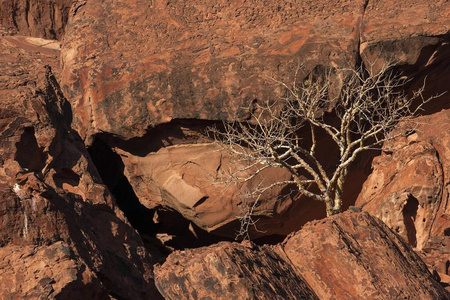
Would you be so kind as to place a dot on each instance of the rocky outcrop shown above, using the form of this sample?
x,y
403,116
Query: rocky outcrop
x,y
403,32
230,271
409,189
38,18
347,256
61,232
143,63
414,35
144,68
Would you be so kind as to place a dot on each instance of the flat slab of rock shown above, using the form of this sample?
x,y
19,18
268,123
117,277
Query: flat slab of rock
x,y
144,63
347,256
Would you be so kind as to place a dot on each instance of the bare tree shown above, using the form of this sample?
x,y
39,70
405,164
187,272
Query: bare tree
x,y
284,133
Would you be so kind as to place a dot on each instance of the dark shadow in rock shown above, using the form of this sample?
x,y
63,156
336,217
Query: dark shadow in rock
x,y
182,233
431,70
66,176
110,166
117,263
29,155
160,228
409,216
177,131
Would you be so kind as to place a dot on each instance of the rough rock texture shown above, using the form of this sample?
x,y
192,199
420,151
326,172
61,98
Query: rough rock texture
x,y
61,233
347,256
38,18
135,72
230,271
402,31
354,255
144,63
415,35
409,189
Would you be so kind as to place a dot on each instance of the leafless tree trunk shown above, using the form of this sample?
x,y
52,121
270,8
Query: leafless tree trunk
x,y
364,112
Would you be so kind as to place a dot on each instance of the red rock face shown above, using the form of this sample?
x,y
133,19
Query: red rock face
x,y
62,235
211,61
347,256
230,271
38,18
413,34
146,78
401,31
203,60
408,189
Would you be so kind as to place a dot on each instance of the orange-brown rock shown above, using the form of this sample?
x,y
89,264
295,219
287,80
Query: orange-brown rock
x,y
144,63
61,232
409,189
402,31
414,35
37,18
189,178
230,271
347,256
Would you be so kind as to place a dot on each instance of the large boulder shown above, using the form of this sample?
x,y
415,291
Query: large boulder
x,y
196,59
230,271
347,256
61,232
409,189
193,180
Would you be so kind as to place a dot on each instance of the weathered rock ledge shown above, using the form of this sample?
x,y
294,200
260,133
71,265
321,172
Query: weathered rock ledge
x,y
347,256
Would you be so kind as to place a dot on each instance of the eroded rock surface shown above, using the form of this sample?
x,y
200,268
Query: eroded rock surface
x,y
402,30
230,271
61,232
409,189
414,35
38,18
144,63
347,256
